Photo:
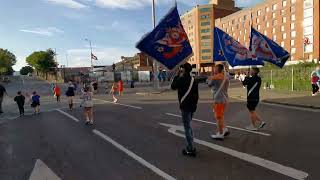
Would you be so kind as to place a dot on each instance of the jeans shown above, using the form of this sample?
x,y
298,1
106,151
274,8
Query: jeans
x,y
186,118
315,88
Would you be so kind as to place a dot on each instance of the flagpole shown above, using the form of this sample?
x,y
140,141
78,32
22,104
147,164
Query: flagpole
x,y
90,43
155,64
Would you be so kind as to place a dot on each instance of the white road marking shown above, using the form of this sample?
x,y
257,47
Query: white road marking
x,y
68,115
42,172
126,105
231,127
134,156
287,171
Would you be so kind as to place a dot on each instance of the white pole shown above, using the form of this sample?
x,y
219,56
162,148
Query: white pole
x,y
155,64
271,85
292,82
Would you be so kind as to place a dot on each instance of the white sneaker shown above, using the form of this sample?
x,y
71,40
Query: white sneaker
x,y
226,132
314,94
262,124
217,136
251,128
115,101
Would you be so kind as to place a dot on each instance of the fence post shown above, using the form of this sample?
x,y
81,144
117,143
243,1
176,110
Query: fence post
x,y
292,80
271,85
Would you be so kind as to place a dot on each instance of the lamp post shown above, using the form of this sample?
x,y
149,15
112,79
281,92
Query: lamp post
x,y
90,43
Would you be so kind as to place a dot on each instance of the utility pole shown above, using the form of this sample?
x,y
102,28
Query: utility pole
x,y
155,64
90,43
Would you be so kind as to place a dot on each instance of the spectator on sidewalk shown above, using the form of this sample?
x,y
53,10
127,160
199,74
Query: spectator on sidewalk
x,y
220,84
57,92
188,95
2,93
314,83
20,100
253,84
120,85
318,74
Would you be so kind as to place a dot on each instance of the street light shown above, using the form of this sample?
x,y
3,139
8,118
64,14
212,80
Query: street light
x,y
90,43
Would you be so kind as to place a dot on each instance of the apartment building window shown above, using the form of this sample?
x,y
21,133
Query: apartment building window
x,y
284,20
273,15
308,12
293,1
308,21
267,9
308,4
268,24
240,20
259,12
240,32
204,16
293,17
205,9
206,44
245,31
205,37
273,30
293,34
238,39
232,28
293,9
282,44
206,51
258,21
284,3
283,12
237,26
206,57
308,30
274,38
229,23
265,33
205,23
292,26
292,42
274,7
282,28
265,18
227,30
274,22
259,27
205,30
284,36
245,17
234,34
293,50
233,21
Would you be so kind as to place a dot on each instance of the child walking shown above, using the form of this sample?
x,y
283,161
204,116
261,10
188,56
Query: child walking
x,y
87,105
35,102
220,85
114,90
20,100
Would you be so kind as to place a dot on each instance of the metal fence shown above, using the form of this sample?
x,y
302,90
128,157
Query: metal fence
x,y
290,78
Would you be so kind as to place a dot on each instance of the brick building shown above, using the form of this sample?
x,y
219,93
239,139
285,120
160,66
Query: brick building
x,y
293,24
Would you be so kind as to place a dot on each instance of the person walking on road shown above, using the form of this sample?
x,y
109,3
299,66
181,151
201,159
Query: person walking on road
x,y
70,95
253,84
2,93
57,92
314,83
220,84
20,100
35,102
113,90
188,95
87,104
120,85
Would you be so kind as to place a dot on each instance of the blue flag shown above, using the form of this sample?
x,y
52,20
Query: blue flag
x,y
168,43
228,49
264,49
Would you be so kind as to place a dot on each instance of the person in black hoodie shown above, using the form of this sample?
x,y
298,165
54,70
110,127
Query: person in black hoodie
x,y
188,95
253,84
20,100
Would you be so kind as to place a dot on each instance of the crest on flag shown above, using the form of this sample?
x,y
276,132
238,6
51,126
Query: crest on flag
x,y
94,57
228,49
265,49
168,43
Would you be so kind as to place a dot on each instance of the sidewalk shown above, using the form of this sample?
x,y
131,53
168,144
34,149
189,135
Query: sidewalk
x,y
289,98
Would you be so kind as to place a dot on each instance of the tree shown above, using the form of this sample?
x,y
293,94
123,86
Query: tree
x,y
26,70
43,61
7,60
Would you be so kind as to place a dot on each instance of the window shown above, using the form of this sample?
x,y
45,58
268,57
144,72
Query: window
x,y
265,33
308,30
292,26
205,30
293,9
308,4
274,7
240,32
308,48
206,57
293,17
245,31
245,17
284,20
205,23
233,21
206,44
293,34
268,24
204,16
274,22
308,21
258,21
223,25
227,30
293,50
273,15
240,19
259,13
284,3
284,36
237,26
206,51
283,12
282,44
265,18
205,37
259,27
267,9
282,28
310,38
292,42
274,38
273,30
293,1
205,10
232,28
229,23
238,39
308,12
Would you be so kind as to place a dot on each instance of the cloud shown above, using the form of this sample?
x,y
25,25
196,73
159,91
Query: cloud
x,y
68,3
106,56
49,31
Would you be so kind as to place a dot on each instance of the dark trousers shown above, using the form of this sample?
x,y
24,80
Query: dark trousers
x,y
187,118
1,99
315,88
21,109
58,98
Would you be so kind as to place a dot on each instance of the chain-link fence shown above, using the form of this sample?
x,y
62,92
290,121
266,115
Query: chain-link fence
x,y
292,78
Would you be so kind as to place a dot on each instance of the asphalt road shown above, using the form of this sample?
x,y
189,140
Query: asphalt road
x,y
140,138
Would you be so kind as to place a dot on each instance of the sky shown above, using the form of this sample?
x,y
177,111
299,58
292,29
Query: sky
x,y
113,26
